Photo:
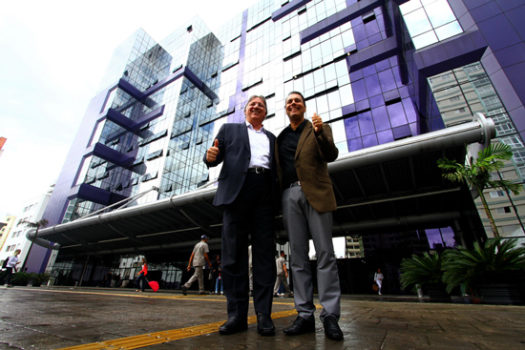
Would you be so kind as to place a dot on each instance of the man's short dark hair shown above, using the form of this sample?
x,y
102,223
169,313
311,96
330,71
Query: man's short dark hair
x,y
256,96
297,93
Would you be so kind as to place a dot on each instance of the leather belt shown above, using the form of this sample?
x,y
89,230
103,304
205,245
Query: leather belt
x,y
258,170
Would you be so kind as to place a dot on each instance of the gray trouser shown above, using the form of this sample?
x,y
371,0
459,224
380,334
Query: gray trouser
x,y
281,278
197,275
301,221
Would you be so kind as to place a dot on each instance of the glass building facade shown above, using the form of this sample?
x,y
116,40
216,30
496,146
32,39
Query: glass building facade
x,y
376,70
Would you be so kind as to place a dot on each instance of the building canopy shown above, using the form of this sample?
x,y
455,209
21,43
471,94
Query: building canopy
x,y
386,188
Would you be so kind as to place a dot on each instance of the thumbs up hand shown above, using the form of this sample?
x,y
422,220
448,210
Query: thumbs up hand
x,y
317,123
213,152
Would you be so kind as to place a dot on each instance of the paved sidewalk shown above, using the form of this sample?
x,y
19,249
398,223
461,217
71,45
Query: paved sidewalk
x,y
83,318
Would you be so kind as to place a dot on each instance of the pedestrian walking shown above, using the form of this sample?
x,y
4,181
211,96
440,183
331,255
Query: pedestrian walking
x,y
140,282
216,270
282,275
198,259
378,279
10,267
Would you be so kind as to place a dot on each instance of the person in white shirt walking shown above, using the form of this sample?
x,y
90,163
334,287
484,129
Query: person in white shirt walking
x,y
12,261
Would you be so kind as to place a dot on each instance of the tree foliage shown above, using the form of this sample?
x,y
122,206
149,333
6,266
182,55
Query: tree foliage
x,y
478,174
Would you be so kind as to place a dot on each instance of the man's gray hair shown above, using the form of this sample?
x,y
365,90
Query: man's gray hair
x,y
256,96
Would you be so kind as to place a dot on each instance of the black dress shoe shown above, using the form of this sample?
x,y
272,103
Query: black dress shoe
x,y
233,325
265,325
301,326
331,328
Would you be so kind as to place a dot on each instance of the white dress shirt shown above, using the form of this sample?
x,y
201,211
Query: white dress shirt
x,y
259,147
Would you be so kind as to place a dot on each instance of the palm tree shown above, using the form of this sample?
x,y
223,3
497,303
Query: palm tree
x,y
478,174
37,225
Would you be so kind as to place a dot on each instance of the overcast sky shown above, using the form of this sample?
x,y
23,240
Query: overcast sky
x,y
53,55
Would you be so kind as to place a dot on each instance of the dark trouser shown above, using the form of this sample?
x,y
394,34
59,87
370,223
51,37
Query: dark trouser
x,y
7,275
251,214
141,281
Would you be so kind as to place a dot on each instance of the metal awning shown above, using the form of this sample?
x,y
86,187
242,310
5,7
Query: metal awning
x,y
389,187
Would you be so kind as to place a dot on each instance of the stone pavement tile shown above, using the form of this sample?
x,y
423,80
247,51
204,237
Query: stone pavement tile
x,y
408,340
50,319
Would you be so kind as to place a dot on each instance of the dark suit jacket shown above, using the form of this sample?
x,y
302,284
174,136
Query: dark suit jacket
x,y
234,151
311,158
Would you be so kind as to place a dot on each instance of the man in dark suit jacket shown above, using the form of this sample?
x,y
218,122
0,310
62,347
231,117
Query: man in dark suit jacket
x,y
303,151
247,184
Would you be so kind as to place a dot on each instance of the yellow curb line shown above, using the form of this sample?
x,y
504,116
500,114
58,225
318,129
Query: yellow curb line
x,y
221,299
140,341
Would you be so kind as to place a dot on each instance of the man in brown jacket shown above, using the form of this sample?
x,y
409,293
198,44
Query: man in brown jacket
x,y
303,150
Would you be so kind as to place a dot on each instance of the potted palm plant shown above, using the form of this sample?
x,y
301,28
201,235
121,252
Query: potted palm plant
x,y
491,272
424,271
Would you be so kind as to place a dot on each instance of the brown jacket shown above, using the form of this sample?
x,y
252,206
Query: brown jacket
x,y
311,158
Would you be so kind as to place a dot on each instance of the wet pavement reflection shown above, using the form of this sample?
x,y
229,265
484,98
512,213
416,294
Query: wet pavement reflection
x,y
97,318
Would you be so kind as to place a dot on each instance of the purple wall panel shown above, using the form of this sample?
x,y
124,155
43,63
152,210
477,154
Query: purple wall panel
x,y
359,90
414,128
516,73
362,105
484,11
355,144
358,29
356,75
511,55
348,109
404,92
370,140
376,101
374,39
366,125
385,136
401,132
504,36
56,206
371,28
372,85
490,63
369,70
507,5
505,91
36,258
352,128
391,95
471,4
516,17
387,80
410,110
380,117
396,114
519,119
382,65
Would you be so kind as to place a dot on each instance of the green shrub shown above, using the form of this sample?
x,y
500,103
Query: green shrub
x,y
482,264
20,278
421,270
